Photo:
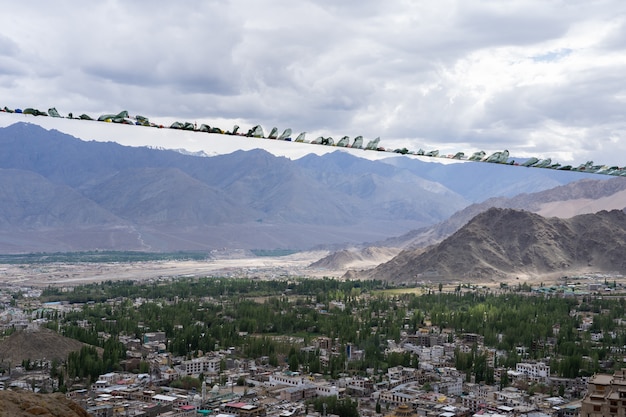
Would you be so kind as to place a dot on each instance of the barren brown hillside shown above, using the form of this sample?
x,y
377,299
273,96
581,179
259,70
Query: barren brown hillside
x,y
356,258
36,344
28,404
502,243
566,201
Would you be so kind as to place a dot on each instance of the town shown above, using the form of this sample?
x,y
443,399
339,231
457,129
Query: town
x,y
297,347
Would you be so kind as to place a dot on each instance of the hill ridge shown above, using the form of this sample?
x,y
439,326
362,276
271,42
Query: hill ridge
x,y
37,343
502,242
113,197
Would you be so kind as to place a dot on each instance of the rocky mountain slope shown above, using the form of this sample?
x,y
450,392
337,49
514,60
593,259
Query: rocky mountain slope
x,y
36,344
64,194
28,404
355,258
501,243
579,197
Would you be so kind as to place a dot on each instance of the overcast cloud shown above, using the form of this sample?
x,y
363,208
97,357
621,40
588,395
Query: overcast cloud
x,y
539,78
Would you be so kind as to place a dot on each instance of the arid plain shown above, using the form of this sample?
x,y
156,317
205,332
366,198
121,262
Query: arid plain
x,y
71,274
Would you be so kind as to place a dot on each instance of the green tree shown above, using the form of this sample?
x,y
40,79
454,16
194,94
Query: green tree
x,y
504,379
344,407
144,367
187,383
294,363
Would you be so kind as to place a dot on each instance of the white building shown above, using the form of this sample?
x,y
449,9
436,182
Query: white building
x,y
290,380
450,386
535,372
205,364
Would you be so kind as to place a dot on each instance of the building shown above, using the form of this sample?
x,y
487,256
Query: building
x,y
449,385
328,390
291,379
298,393
403,410
401,375
606,396
359,386
205,364
323,343
241,409
534,372
154,337
473,339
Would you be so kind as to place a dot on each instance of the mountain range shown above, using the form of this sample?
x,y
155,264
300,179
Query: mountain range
x,y
60,193
579,197
503,242
584,197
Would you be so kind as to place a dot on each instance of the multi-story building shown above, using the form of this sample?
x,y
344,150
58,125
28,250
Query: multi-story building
x,y
323,342
359,386
606,396
241,409
510,397
205,364
403,410
154,337
473,339
292,380
424,337
473,403
397,397
402,375
328,390
534,372
449,385
298,393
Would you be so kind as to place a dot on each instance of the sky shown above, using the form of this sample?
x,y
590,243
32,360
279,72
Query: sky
x,y
538,78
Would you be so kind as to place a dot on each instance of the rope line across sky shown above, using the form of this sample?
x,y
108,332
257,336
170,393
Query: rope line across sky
x,y
500,157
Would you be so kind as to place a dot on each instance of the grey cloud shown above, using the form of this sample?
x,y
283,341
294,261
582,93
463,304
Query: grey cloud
x,y
488,27
616,38
401,70
8,47
582,102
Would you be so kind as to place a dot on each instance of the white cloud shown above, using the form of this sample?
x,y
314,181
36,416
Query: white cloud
x,y
536,77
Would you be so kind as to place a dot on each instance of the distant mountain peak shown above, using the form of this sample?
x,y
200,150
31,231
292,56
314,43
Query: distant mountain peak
x,y
182,151
503,242
110,196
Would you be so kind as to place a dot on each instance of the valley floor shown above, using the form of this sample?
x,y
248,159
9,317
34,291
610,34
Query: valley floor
x,y
264,267
66,274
